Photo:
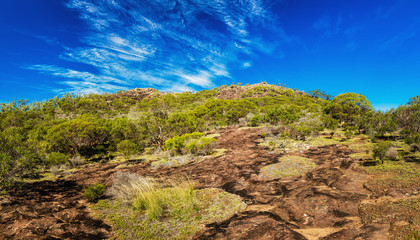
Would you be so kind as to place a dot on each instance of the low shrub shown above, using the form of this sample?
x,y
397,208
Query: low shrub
x,y
56,158
127,148
177,143
202,146
194,143
414,147
94,192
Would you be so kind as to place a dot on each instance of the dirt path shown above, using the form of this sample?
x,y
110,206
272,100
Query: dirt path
x,y
323,204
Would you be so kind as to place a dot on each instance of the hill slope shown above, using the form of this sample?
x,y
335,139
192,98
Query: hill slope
x,y
237,162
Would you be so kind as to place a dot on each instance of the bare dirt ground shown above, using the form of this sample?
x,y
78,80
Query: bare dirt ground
x,y
322,204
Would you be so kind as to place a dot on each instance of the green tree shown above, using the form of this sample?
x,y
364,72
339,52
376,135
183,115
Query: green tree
x,y
408,115
317,93
348,107
77,136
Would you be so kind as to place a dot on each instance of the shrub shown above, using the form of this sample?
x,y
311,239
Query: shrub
x,y
255,120
56,158
55,169
380,150
6,173
194,143
94,192
201,146
127,148
299,132
178,142
313,122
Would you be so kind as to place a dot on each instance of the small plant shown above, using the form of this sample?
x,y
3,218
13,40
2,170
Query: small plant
x,y
94,192
348,133
177,143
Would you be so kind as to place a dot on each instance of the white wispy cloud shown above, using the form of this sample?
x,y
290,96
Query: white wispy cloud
x,y
81,82
167,44
246,65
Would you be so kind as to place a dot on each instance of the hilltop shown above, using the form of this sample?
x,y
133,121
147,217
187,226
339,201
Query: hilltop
x,y
235,162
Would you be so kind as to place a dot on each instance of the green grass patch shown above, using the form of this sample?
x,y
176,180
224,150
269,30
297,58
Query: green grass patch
x,y
288,167
142,208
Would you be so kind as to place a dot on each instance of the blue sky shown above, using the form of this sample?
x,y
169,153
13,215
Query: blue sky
x,y
50,47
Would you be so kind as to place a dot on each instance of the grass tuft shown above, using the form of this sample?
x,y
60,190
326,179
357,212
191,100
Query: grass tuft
x,y
127,186
143,208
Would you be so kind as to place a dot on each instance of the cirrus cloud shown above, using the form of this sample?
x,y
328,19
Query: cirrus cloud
x,y
176,44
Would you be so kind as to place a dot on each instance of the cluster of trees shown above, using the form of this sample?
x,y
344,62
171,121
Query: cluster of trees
x,y
38,135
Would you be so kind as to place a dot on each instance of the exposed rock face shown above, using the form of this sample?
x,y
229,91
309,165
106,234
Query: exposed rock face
x,y
262,90
137,93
